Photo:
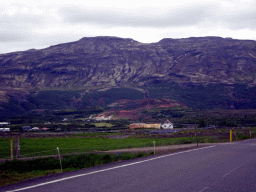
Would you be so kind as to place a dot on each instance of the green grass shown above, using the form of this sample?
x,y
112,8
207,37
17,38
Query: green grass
x,y
5,148
96,134
16,171
10,177
103,124
30,147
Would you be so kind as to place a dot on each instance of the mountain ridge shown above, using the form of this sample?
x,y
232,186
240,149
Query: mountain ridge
x,y
103,63
118,62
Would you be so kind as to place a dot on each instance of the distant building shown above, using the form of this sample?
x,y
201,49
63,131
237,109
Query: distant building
x,y
65,119
145,126
136,125
26,128
167,125
35,129
4,124
45,129
103,118
4,130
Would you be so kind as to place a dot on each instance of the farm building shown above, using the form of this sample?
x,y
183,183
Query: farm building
x,y
45,129
26,128
4,129
102,118
4,124
167,125
35,129
145,126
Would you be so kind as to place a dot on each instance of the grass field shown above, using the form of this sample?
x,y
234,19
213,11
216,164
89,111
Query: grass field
x,y
78,143
30,147
43,146
103,124
74,145
18,170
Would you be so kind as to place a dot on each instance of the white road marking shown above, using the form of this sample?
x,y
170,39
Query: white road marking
x,y
204,189
75,176
228,143
235,169
249,140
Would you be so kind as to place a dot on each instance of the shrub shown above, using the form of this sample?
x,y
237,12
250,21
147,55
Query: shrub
x,y
106,159
139,155
127,156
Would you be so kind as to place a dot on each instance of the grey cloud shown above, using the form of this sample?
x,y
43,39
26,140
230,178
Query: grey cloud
x,y
238,15
233,18
22,31
7,37
150,17
18,27
35,41
241,20
21,20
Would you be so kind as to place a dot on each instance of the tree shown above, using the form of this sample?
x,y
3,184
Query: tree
x,y
201,123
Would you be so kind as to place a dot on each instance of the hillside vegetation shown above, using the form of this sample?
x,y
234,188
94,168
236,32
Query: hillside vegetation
x,y
200,73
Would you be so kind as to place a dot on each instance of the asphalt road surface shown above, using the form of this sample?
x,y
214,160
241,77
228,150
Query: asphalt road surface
x,y
220,167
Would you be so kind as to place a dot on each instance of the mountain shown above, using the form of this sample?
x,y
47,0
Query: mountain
x,y
221,70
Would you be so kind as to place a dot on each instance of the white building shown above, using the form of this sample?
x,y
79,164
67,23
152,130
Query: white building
x,y
4,123
35,129
167,125
4,129
103,118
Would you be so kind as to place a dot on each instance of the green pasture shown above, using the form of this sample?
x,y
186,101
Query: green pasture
x,y
30,147
74,144
103,124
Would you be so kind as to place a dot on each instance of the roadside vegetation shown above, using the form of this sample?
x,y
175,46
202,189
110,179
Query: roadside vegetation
x,y
41,146
17,170
44,144
80,151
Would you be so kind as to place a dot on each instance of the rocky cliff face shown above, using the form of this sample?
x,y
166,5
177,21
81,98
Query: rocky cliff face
x,y
213,59
102,62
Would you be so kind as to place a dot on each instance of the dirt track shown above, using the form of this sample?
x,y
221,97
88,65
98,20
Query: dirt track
x,y
160,149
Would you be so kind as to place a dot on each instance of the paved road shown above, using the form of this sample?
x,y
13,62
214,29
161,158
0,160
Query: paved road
x,y
221,167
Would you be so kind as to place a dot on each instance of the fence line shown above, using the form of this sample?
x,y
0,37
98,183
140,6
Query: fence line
x,y
95,148
105,147
78,150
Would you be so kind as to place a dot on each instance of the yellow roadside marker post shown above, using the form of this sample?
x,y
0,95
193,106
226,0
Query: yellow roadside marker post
x,y
230,135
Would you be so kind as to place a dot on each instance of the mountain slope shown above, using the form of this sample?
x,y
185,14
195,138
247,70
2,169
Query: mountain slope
x,y
110,61
102,63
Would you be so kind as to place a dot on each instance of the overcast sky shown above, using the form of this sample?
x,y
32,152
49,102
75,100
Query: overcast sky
x,y
28,24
